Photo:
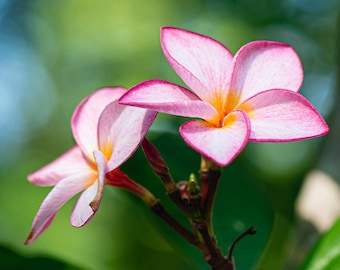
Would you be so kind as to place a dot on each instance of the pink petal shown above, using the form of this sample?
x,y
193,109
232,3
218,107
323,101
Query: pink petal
x,y
283,115
203,63
71,162
58,196
89,201
264,65
34,235
121,130
169,98
85,118
221,145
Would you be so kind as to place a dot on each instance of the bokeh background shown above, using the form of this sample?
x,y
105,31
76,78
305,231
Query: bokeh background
x,y
54,53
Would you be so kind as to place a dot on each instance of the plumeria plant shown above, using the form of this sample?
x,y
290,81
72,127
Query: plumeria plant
x,y
250,96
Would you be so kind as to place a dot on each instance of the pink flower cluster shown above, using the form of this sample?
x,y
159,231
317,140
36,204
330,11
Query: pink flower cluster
x,y
251,96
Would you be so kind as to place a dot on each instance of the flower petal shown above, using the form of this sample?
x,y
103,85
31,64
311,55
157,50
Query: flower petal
x,y
57,197
89,201
85,118
283,115
121,130
169,98
69,163
264,65
203,63
221,145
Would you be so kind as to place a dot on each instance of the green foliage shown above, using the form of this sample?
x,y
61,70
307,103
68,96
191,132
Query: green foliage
x,y
12,260
326,253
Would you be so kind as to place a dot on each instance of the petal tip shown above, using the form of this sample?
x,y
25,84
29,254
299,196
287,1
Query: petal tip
x,y
30,238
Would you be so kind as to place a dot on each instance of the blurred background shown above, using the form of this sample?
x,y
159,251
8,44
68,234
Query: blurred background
x,y
54,53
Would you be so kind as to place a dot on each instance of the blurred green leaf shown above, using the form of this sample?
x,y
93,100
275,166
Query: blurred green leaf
x,y
10,260
326,253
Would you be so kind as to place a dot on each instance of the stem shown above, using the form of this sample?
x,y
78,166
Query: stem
x,y
208,204
176,197
159,210
211,245
215,257
117,178
210,174
249,231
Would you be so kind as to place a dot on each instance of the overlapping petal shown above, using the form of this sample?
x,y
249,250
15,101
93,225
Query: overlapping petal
x,y
264,65
221,145
203,63
126,127
169,98
283,115
89,201
57,197
85,118
71,162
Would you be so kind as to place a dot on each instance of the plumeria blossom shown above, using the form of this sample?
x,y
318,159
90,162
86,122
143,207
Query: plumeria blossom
x,y
106,134
252,96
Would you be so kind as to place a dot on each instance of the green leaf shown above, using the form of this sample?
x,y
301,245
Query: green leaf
x,y
9,259
326,252
240,203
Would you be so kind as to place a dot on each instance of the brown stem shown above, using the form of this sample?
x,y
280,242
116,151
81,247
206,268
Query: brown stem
x,y
249,231
211,245
159,210
210,174
215,257
176,197
210,178
208,203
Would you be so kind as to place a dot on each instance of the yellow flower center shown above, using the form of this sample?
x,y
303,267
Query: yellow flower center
x,y
225,104
107,150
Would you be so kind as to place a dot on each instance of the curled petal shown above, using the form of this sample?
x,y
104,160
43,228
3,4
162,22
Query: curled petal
x,y
203,63
121,130
85,118
169,98
283,115
221,145
58,196
264,65
89,201
71,162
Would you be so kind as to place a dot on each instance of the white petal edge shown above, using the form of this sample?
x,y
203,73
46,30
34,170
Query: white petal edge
x,y
282,115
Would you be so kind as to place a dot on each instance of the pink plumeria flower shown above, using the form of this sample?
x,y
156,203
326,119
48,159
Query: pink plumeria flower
x,y
251,96
107,134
